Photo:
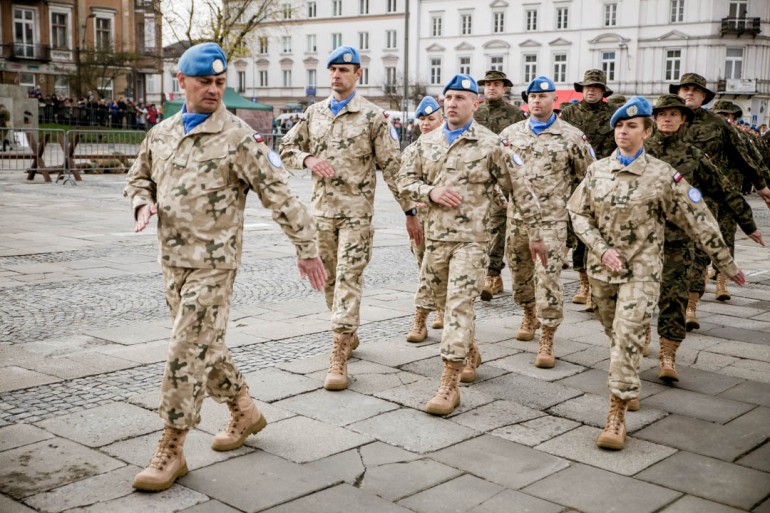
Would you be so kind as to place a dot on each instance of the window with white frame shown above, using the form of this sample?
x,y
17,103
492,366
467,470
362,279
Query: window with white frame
x,y
174,85
364,80
390,76
530,67
60,39
263,78
286,44
734,63
336,39
466,24
363,40
312,45
262,45
610,14
530,19
287,11
738,8
392,5
312,10
390,39
673,65
27,79
608,65
562,18
496,63
336,7
241,81
61,86
435,70
498,22
24,31
436,23
363,6
149,33
677,11
312,78
560,67
287,78
103,32
105,88
465,65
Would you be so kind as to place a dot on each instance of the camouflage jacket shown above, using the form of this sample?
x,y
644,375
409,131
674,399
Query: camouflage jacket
x,y
497,115
554,163
200,181
353,142
593,119
699,172
626,208
711,134
475,162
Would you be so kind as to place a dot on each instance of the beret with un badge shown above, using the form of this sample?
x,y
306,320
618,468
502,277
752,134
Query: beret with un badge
x,y
203,60
462,82
427,106
343,55
541,84
634,108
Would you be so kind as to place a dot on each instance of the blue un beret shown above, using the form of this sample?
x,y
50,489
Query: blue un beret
x,y
427,106
462,82
636,107
541,84
203,60
343,55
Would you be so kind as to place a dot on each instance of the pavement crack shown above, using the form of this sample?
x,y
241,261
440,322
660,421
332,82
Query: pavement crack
x,y
360,477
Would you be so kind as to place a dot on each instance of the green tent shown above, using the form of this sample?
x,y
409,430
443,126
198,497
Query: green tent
x,y
232,101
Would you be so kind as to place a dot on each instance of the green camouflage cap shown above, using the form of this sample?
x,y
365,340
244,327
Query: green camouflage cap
x,y
616,100
594,77
696,80
495,75
727,107
672,101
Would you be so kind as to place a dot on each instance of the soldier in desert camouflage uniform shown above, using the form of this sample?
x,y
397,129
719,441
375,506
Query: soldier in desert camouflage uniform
x,y
341,140
555,156
455,170
496,114
619,212
591,116
194,170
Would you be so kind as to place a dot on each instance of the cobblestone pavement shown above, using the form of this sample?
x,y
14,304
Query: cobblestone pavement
x,y
83,331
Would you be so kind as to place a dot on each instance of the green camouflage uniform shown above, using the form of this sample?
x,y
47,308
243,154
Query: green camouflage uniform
x,y
354,141
554,161
455,260
593,119
625,208
679,249
497,115
199,182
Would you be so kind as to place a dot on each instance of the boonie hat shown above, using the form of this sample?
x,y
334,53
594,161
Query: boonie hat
x,y
696,80
672,101
493,75
594,77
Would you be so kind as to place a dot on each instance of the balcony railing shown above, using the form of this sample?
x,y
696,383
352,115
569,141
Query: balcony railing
x,y
23,51
741,26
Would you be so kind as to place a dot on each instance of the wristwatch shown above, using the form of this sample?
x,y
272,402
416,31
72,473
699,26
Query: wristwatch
x,y
411,212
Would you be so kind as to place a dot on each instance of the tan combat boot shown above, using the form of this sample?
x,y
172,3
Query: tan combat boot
x,y
634,405
582,294
667,359
722,294
493,285
646,347
529,324
419,331
353,345
614,434
544,358
245,420
690,319
472,361
589,307
438,320
337,376
166,465
447,397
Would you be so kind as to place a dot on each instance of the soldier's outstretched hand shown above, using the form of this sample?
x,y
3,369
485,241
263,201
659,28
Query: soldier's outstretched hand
x,y
765,195
414,229
538,250
756,236
739,278
143,215
319,167
445,196
313,269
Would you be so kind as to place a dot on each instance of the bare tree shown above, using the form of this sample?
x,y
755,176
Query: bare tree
x,y
395,92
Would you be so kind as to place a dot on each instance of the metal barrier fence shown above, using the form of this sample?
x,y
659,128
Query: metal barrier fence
x,y
99,115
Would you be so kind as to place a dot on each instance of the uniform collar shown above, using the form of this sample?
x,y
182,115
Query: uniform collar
x,y
213,124
354,105
636,167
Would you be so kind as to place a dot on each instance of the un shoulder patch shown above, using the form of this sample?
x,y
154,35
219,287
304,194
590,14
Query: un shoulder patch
x,y
274,159
517,159
677,177
394,133
694,195
257,137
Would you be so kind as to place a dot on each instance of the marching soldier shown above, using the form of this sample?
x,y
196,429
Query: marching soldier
x,y
455,171
619,212
495,114
555,156
193,171
341,140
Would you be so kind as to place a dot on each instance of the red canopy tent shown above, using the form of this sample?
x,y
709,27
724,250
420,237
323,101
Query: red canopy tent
x,y
562,96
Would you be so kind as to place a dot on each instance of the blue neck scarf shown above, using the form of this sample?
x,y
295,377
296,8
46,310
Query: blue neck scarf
x,y
192,119
538,126
626,161
336,106
451,135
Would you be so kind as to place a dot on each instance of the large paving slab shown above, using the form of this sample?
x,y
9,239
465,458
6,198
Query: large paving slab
x,y
134,333
211,506
8,505
593,490
394,481
690,504
711,479
511,500
496,414
340,499
506,463
592,410
749,392
48,464
17,378
757,420
758,458
168,501
528,391
104,424
339,408
351,466
524,364
395,352
460,494
415,395
594,381
17,435
536,431
433,368
273,384
695,380
700,406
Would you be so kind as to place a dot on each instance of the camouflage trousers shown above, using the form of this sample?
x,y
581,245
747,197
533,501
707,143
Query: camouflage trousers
x,y
672,304
625,311
533,282
701,260
198,359
728,226
496,226
424,296
455,273
345,246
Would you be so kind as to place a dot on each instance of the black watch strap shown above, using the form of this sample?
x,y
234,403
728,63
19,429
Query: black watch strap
x,y
411,212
